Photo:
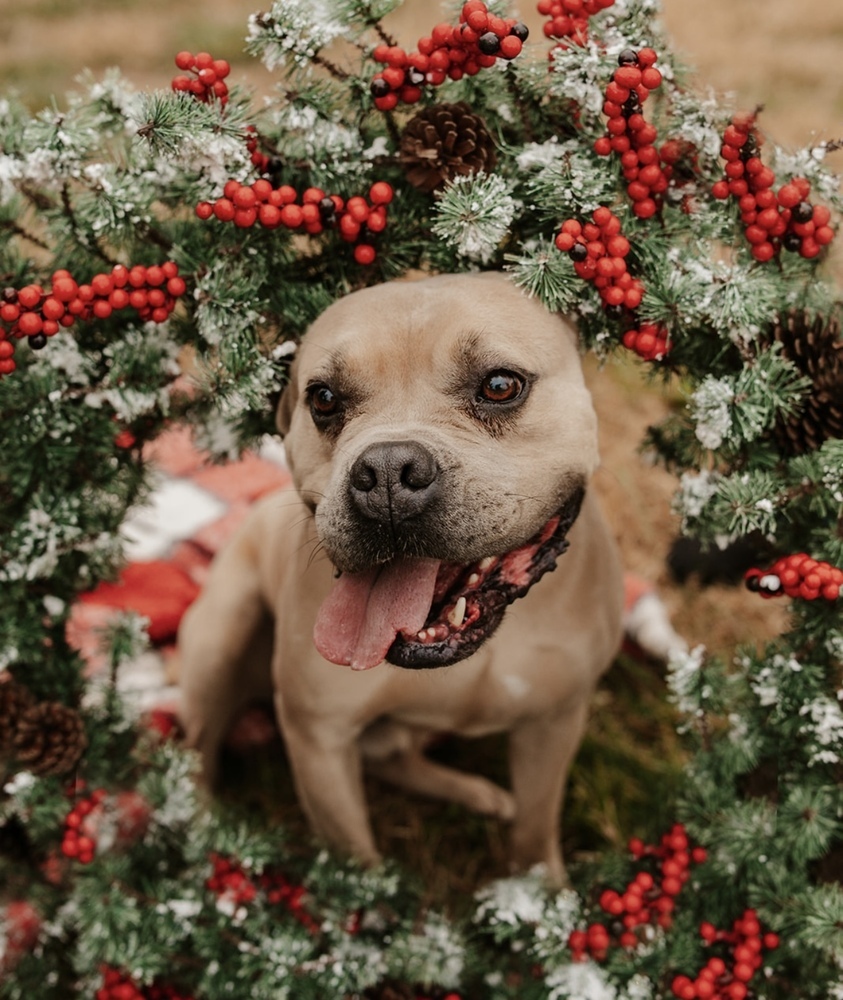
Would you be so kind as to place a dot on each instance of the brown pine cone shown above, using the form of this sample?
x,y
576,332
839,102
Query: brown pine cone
x,y
814,345
14,700
443,142
49,739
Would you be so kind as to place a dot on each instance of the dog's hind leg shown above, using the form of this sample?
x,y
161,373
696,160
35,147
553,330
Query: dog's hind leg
x,y
394,753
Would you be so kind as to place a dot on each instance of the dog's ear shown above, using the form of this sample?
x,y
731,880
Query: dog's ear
x,y
287,402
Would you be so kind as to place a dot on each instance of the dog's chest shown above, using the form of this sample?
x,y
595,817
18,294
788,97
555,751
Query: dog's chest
x,y
472,698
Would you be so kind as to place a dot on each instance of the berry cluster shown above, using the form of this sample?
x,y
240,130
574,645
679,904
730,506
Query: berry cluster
x,y
234,887
20,926
649,341
447,53
797,575
356,220
119,985
629,134
647,900
228,881
208,80
101,821
79,841
36,313
280,892
771,219
598,250
569,18
718,980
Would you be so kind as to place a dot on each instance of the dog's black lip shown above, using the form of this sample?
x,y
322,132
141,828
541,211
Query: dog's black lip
x,y
494,596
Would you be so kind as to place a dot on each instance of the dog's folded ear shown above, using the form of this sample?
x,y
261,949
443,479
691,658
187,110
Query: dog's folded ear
x,y
287,402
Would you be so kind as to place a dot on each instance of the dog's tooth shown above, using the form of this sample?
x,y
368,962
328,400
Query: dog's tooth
x,y
487,563
473,580
457,614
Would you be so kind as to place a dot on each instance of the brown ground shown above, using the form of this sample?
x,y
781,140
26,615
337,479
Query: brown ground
x,y
779,53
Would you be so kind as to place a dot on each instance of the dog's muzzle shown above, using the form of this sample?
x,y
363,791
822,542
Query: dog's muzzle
x,y
416,610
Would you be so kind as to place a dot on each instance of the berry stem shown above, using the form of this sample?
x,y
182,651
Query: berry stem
x,y
78,234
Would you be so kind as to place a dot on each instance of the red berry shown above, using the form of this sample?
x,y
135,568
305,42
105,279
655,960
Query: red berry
x,y
269,216
52,308
291,216
627,77
364,254
102,284
30,296
683,988
244,197
376,222
224,209
349,227
789,195
645,209
64,288
763,252
119,298
245,218
651,78
30,324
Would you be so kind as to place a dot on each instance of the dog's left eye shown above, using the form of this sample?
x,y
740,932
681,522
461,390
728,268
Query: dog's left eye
x,y
324,402
500,387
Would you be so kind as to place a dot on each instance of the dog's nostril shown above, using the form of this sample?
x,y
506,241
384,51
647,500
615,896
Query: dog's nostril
x,y
363,477
419,472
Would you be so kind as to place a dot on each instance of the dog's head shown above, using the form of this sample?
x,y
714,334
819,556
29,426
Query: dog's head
x,y
442,434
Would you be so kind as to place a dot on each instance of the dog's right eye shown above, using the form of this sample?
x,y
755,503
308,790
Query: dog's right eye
x,y
324,402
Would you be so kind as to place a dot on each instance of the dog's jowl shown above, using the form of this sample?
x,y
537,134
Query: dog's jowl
x,y
441,442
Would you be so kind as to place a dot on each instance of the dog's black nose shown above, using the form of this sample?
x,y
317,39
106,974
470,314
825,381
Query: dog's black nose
x,y
394,480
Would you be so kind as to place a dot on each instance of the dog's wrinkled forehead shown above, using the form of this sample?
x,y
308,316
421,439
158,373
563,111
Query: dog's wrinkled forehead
x,y
450,323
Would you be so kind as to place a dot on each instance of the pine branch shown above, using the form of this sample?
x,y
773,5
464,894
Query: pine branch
x,y
18,230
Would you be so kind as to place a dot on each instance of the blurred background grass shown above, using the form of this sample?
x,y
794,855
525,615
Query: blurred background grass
x,y
778,53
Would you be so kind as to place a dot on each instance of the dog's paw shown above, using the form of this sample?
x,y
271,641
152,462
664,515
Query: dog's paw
x,y
489,799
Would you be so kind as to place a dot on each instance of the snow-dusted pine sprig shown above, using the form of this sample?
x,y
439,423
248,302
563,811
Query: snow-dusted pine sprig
x,y
474,214
292,33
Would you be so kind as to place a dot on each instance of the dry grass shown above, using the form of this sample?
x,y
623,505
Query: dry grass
x,y
771,52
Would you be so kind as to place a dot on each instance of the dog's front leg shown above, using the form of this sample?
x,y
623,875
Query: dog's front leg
x,y
327,768
541,750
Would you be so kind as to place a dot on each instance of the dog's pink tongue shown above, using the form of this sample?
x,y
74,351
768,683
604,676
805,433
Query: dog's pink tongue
x,y
360,618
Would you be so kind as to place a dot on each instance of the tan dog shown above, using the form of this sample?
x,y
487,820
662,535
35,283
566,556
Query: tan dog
x,y
440,438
